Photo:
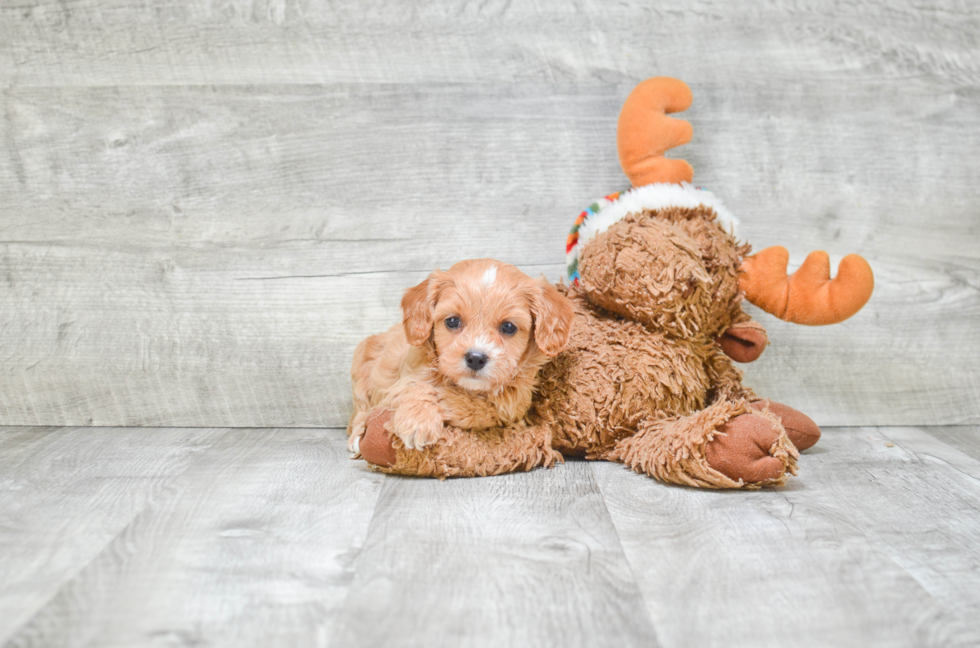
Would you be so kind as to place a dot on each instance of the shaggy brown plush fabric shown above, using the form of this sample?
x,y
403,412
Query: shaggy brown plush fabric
x,y
754,450
674,270
657,289
460,453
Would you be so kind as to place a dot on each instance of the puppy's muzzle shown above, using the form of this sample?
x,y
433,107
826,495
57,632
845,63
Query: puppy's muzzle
x,y
476,360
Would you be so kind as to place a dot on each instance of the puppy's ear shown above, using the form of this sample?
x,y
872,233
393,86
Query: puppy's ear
x,y
418,306
417,313
553,316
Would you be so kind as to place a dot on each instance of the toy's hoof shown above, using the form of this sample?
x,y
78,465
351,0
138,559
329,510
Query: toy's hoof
x,y
800,428
744,342
375,445
742,452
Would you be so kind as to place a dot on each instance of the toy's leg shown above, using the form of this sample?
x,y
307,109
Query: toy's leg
x,y
375,444
726,380
800,428
458,453
726,445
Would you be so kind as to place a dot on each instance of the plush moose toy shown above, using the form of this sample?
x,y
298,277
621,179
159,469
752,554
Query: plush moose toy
x,y
657,280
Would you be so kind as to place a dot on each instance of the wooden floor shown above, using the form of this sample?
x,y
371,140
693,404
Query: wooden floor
x,y
273,537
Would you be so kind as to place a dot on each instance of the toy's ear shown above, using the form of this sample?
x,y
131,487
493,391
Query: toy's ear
x,y
418,306
553,315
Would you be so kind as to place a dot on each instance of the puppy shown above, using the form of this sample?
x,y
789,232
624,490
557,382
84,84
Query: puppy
x,y
467,352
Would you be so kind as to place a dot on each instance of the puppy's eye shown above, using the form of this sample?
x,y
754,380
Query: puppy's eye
x,y
452,322
508,328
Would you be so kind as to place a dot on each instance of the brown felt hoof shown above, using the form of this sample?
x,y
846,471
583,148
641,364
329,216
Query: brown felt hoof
x,y
742,451
744,342
375,445
800,428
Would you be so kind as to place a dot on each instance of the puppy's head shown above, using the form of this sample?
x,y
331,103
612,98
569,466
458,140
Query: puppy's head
x,y
487,321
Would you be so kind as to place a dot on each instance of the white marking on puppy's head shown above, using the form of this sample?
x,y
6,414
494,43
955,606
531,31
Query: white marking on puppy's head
x,y
490,276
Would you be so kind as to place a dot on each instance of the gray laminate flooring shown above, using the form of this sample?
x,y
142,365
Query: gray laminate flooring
x,y
274,537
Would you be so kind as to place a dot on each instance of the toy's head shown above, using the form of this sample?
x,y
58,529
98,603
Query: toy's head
x,y
665,253
674,269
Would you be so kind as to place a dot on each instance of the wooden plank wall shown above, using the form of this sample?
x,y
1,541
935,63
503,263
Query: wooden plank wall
x,y
205,205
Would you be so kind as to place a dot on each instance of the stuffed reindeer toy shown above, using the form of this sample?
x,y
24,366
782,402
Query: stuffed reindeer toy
x,y
657,278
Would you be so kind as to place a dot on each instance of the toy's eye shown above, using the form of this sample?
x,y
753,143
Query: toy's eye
x,y
452,322
508,328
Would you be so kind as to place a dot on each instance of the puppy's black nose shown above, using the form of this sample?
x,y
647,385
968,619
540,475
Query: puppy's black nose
x,y
476,360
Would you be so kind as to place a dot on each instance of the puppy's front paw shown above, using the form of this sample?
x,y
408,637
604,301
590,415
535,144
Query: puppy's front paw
x,y
417,425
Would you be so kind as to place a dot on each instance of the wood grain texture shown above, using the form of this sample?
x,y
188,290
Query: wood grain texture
x,y
206,205
872,545
527,559
202,42
964,438
252,545
228,278
132,537
65,494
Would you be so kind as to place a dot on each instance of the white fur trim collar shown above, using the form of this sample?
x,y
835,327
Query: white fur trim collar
x,y
655,196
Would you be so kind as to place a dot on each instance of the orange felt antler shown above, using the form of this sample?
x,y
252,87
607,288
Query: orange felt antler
x,y
809,295
645,132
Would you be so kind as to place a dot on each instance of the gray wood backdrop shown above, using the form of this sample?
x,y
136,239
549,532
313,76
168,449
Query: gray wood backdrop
x,y
205,205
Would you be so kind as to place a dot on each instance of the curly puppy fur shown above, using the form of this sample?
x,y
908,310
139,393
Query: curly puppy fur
x,y
644,379
467,352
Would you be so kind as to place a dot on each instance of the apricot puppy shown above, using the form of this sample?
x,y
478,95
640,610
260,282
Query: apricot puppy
x,y
467,352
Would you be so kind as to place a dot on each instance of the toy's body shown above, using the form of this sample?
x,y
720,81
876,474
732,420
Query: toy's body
x,y
647,379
